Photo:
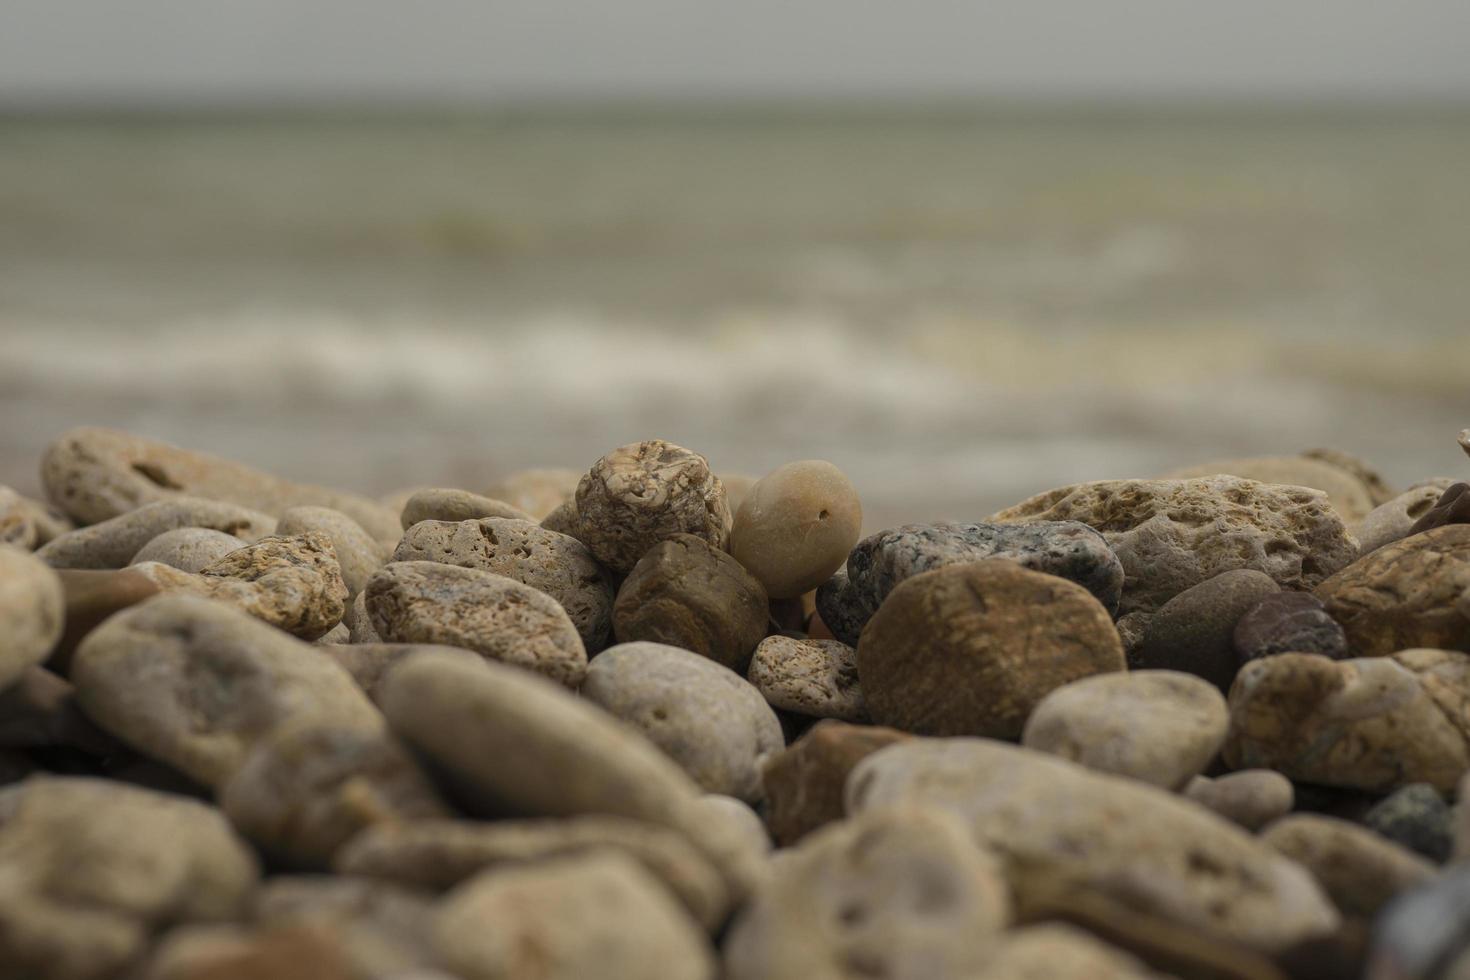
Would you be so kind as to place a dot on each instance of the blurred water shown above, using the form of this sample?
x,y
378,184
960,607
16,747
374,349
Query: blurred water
x,y
958,308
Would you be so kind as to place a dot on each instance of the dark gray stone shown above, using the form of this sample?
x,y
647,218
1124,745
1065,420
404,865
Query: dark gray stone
x,y
1289,622
1416,817
1195,631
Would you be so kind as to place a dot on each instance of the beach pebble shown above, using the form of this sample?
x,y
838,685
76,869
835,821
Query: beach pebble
x,y
359,553
1194,631
1416,817
705,717
814,678
32,612
1251,798
970,649
233,952
564,520
1425,934
197,684
804,783
1288,622
1412,593
455,506
368,663
737,815
796,526
891,893
359,623
27,523
1345,491
1453,507
497,617
113,543
1360,871
1051,950
599,915
1046,817
189,549
642,493
538,492
383,930
687,594
559,565
1393,519
1380,491
1372,724
881,561
1160,726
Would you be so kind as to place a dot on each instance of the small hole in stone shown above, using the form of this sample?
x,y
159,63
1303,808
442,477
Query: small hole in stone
x,y
155,474
850,914
822,516
659,714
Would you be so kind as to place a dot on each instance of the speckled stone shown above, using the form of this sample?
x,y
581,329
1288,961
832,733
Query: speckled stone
x,y
359,553
1194,632
113,543
1251,798
456,505
883,560
815,678
1415,817
189,549
796,526
1288,622
804,783
1360,871
1347,493
32,612
359,623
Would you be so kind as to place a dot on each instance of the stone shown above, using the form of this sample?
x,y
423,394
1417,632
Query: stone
x,y
230,952
804,783
1194,631
737,485
736,814
1465,441
95,474
1251,798
32,612
38,710
1345,491
1159,726
27,523
970,649
359,623
497,617
1411,593
197,684
890,893
1044,952
384,929
796,526
1425,933
341,633
1050,820
687,594
94,869
642,493
705,717
815,678
1360,871
1373,723
1288,622
91,596
1172,534
1453,507
564,520
1393,519
1415,817
623,924
559,565
189,549
358,553
538,492
1374,482
881,561
440,854
454,506
114,542
368,663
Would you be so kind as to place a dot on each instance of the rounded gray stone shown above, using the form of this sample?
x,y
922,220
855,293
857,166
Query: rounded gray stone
x,y
189,549
1194,632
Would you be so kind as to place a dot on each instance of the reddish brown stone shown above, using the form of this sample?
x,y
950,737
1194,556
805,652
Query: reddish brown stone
x,y
804,783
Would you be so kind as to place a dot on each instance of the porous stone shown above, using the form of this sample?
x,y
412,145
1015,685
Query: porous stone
x,y
1393,519
1379,489
32,612
27,523
642,493
687,594
843,903
1360,871
970,649
1159,726
1374,723
1415,817
1424,935
189,549
1288,622
359,553
705,717
341,633
1345,491
1044,952
804,783
95,474
559,565
196,684
1194,631
627,927
1048,820
384,930
1452,507
538,492
1251,798
114,542
456,505
796,526
1172,534
1411,593
497,617
815,678
881,561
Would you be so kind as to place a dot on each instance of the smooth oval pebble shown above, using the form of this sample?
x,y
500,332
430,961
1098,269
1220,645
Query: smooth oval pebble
x,y
1251,798
1288,622
1453,507
813,678
1392,520
795,527
32,612
435,504
1358,869
1194,631
113,543
189,549
359,553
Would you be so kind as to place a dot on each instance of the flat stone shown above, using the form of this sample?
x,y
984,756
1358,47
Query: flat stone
x,y
359,553
538,492
971,649
804,783
1452,507
1251,798
815,678
114,542
1360,871
32,613
1345,491
1394,518
1194,632
189,549
1415,817
1288,622
435,504
795,527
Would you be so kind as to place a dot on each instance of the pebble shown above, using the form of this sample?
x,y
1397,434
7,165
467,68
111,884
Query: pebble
x,y
1159,726
1360,871
556,564
32,612
1411,593
705,717
538,492
189,549
1194,631
1251,798
599,915
232,952
113,543
687,594
1346,492
383,930
890,893
1394,518
1045,952
497,617
738,815
804,783
1379,489
1288,622
883,560
1425,934
737,487
359,623
971,649
814,678
358,553
1453,507
38,710
639,494
564,520
27,523
368,663
1416,817
1044,816
456,505
1373,723
795,527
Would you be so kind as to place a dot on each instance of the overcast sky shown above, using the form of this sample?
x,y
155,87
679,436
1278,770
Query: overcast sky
x,y
144,52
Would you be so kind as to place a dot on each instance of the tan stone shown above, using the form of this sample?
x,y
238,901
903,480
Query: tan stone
x,y
815,678
1251,798
436,504
804,783
232,952
796,526
32,612
359,553
1358,869
189,549
1379,489
384,930
114,542
368,663
1347,493
27,523
1048,952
